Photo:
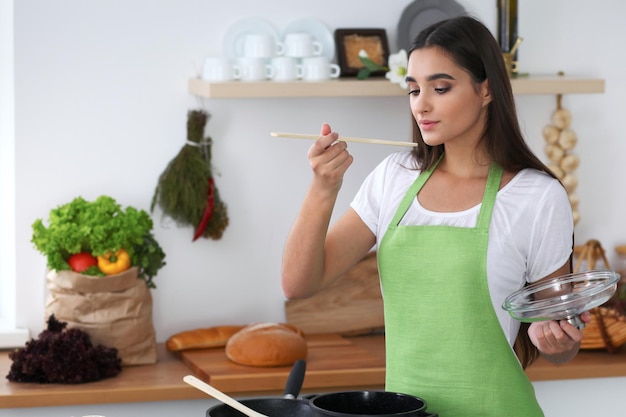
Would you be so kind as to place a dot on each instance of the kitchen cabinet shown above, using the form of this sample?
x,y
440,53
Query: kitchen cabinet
x,y
343,87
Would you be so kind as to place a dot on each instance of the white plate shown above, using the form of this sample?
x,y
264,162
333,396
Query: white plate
x,y
422,13
320,32
233,42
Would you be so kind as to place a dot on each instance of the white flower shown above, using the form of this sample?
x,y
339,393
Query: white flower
x,y
397,68
363,53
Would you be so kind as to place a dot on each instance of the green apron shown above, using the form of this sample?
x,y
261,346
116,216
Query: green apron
x,y
444,342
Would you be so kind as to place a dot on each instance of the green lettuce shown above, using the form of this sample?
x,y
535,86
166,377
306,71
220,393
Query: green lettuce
x,y
98,227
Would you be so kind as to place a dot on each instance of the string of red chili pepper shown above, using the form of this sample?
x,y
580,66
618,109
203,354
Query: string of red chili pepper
x,y
208,211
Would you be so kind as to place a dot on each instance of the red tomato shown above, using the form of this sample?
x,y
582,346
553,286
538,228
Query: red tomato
x,y
81,261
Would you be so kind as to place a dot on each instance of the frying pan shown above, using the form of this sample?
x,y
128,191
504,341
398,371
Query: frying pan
x,y
337,404
287,406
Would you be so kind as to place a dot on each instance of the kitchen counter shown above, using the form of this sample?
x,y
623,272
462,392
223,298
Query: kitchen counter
x,y
163,380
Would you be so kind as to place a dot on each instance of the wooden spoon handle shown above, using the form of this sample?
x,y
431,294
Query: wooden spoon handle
x,y
344,139
219,395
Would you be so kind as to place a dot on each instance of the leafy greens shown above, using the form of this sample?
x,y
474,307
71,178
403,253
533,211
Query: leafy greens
x,y
98,227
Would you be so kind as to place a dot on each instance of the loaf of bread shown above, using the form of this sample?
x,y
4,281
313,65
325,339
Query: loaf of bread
x,y
201,338
267,344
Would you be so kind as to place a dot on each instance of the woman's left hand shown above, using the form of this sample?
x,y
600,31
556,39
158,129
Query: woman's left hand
x,y
558,341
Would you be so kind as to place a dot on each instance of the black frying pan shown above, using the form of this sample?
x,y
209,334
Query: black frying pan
x,y
337,404
287,406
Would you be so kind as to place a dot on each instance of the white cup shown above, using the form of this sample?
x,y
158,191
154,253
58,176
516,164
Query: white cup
x,y
302,44
319,68
286,68
255,69
220,69
262,45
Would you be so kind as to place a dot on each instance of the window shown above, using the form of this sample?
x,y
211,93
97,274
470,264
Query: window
x,y
10,336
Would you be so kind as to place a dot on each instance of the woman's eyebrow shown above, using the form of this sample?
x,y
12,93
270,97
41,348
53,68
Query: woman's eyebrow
x,y
440,76
433,77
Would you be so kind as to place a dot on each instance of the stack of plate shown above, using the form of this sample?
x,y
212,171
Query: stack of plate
x,y
422,13
233,42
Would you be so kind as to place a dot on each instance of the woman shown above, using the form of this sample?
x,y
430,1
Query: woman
x,y
465,219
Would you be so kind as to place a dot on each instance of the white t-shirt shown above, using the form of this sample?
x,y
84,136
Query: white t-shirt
x,y
530,234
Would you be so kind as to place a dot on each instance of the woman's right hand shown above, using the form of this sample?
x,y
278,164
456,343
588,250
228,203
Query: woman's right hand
x,y
305,267
329,159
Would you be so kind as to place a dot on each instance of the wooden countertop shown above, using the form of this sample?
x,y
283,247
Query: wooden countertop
x,y
163,380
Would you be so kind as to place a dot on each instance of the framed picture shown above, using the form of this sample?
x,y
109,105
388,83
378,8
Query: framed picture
x,y
350,41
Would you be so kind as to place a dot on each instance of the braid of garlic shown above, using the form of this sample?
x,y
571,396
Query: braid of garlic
x,y
560,143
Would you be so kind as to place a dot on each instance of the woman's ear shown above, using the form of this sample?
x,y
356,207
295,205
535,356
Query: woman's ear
x,y
485,93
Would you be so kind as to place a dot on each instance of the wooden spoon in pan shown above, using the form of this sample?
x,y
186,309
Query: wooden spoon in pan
x,y
219,395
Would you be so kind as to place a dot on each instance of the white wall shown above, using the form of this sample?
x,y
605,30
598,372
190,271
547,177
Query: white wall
x,y
101,105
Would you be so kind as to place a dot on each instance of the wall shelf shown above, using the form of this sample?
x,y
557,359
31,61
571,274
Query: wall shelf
x,y
535,84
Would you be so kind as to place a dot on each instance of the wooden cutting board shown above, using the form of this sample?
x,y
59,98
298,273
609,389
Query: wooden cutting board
x,y
351,305
333,361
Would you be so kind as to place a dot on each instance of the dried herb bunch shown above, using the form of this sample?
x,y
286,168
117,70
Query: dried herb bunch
x,y
64,356
186,190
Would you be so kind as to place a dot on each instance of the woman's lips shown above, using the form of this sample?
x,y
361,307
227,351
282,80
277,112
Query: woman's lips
x,y
427,124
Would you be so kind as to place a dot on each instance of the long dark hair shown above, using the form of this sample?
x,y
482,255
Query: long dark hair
x,y
472,47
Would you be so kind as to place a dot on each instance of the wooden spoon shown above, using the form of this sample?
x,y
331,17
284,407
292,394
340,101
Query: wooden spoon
x,y
219,395
344,139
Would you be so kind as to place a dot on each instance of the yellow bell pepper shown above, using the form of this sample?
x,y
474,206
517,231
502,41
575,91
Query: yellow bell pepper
x,y
114,263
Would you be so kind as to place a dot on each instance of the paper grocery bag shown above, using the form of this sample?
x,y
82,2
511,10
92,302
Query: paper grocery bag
x,y
115,310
